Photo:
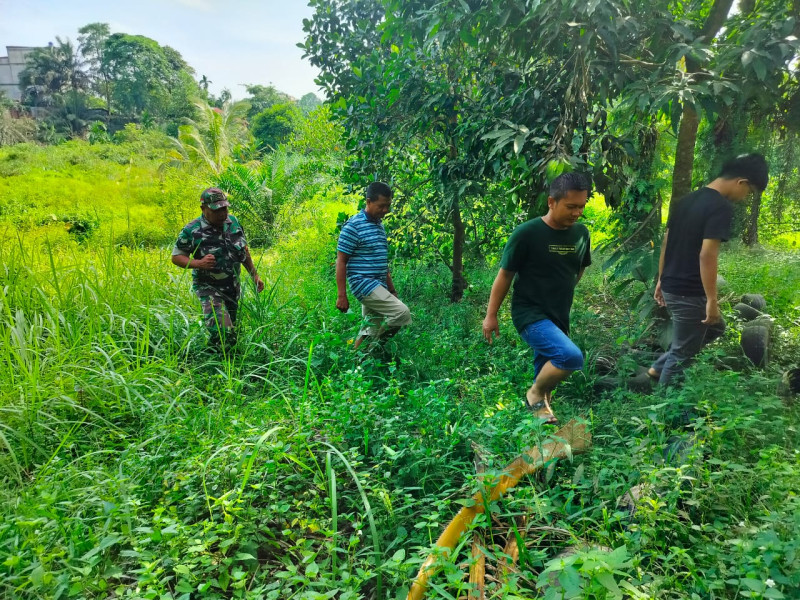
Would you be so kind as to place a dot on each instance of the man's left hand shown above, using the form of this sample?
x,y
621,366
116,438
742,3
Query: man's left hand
x,y
659,295
259,284
393,292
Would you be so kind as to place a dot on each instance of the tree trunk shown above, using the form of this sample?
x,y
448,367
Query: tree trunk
x,y
459,231
684,154
108,103
687,133
750,236
74,120
459,234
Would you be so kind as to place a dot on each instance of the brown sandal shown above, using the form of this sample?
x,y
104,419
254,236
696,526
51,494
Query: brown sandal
x,y
542,410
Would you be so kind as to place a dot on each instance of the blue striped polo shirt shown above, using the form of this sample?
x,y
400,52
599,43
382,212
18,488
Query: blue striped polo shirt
x,y
364,241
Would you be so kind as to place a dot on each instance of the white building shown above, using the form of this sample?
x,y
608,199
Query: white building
x,y
10,68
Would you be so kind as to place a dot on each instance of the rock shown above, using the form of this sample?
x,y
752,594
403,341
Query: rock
x,y
642,383
756,301
605,384
790,383
764,320
755,344
745,312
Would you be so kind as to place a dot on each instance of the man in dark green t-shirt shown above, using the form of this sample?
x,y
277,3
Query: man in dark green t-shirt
x,y
545,258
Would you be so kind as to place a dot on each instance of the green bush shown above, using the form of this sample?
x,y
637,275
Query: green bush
x,y
274,125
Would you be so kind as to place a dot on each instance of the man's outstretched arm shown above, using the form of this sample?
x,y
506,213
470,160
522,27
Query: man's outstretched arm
x,y
251,268
500,287
342,303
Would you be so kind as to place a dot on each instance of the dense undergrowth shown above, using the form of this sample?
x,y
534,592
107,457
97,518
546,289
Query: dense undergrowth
x,y
136,465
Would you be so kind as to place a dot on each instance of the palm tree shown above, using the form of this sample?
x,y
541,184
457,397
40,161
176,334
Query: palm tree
x,y
260,190
55,71
210,138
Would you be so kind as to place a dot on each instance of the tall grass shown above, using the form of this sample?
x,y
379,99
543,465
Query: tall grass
x,y
137,465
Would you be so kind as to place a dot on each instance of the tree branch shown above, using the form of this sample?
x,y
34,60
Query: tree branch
x,y
629,60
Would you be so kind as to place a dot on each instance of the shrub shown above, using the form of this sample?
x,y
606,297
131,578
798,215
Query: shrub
x,y
273,126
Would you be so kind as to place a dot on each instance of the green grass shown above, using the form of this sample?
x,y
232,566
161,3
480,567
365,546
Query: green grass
x,y
76,191
135,465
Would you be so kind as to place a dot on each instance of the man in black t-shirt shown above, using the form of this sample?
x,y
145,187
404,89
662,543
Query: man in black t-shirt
x,y
545,257
687,269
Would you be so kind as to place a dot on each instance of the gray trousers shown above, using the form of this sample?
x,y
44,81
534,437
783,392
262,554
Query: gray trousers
x,y
689,335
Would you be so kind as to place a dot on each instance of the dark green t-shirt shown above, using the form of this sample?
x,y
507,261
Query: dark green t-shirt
x,y
547,262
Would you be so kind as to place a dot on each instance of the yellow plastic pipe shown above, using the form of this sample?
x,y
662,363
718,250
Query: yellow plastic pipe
x,y
573,438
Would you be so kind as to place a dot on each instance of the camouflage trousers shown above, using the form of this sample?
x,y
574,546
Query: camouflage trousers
x,y
220,307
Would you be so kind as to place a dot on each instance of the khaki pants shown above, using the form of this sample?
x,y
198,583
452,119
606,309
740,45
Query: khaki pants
x,y
380,304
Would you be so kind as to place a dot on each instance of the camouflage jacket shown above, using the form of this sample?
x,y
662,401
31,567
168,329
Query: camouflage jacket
x,y
228,246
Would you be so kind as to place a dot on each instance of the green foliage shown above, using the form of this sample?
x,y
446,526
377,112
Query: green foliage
x,y
309,103
274,125
54,70
54,77
127,75
98,133
262,97
138,466
92,43
148,76
259,193
318,135
466,95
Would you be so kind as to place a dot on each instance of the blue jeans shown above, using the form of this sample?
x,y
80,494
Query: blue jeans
x,y
550,343
689,335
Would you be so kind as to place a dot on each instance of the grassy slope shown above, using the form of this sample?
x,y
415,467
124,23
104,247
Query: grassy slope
x,y
111,189
138,467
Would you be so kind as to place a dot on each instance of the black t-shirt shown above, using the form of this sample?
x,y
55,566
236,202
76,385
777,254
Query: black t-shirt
x,y
702,215
547,262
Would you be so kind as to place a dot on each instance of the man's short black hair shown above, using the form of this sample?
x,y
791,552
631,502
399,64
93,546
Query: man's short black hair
x,y
752,167
567,182
378,188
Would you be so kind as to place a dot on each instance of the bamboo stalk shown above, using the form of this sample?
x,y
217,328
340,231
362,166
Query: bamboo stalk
x,y
477,570
573,438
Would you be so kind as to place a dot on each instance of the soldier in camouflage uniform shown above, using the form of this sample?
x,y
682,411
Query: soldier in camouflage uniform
x,y
214,247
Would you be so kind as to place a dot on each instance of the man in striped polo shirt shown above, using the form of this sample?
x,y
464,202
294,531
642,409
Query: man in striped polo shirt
x,y
362,257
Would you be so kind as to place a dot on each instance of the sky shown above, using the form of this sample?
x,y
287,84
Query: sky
x,y
231,42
